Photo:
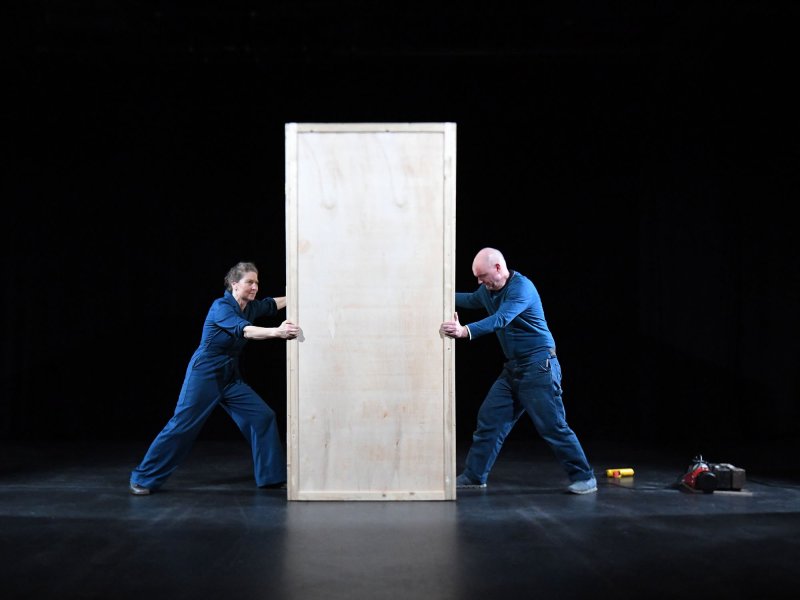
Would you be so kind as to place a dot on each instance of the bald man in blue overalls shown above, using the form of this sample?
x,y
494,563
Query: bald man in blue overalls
x,y
530,381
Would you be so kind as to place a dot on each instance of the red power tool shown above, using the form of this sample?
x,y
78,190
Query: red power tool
x,y
699,477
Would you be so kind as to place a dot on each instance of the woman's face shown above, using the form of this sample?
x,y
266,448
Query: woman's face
x,y
247,287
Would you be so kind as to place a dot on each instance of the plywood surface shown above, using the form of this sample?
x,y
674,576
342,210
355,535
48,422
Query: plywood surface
x,y
370,226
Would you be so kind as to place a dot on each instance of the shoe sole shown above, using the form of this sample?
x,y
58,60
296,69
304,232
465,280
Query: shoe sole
x,y
142,492
581,493
472,486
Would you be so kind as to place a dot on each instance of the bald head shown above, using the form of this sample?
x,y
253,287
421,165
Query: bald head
x,y
489,267
488,257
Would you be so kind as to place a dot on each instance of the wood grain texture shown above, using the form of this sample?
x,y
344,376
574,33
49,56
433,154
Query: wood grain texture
x,y
370,245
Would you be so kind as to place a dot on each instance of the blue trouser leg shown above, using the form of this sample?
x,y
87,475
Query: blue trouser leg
x,y
496,417
532,386
258,424
199,395
538,387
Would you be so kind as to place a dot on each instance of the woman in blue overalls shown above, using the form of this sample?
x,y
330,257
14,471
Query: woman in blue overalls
x,y
213,378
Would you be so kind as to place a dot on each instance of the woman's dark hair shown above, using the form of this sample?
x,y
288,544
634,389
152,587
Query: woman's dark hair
x,y
236,273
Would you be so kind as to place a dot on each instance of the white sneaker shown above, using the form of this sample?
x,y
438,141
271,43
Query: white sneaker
x,y
586,486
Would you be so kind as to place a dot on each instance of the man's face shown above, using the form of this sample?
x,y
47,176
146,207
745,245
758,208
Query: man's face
x,y
489,275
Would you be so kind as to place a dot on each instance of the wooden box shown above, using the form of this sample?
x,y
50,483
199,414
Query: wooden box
x,y
370,234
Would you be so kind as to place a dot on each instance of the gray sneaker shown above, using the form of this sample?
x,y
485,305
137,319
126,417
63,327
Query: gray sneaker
x,y
587,486
138,490
464,482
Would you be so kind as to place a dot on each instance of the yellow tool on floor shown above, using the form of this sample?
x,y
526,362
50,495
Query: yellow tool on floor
x,y
626,472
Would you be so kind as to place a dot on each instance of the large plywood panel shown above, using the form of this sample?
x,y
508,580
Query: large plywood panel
x,y
370,249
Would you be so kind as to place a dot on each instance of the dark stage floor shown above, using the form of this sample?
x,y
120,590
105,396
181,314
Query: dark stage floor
x,y
70,529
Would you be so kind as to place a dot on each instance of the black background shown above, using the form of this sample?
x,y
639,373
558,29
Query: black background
x,y
638,161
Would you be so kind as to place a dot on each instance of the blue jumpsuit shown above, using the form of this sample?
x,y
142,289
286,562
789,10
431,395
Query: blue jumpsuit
x,y
530,381
213,378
